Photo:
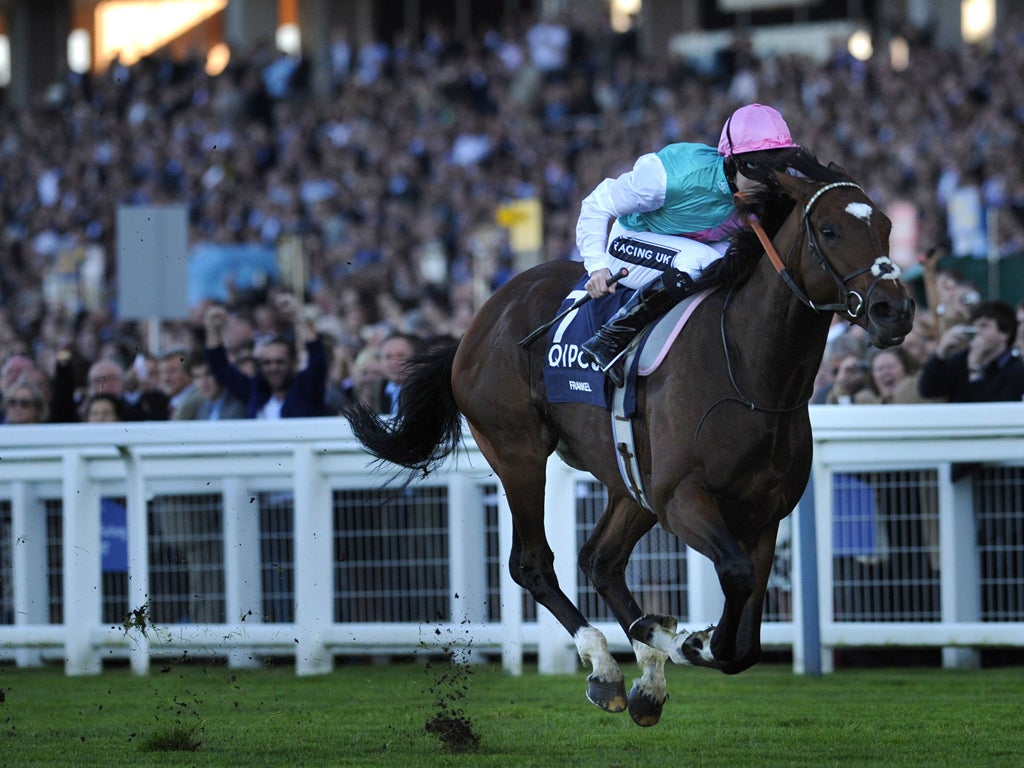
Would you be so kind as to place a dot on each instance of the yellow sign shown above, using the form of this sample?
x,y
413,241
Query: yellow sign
x,y
523,219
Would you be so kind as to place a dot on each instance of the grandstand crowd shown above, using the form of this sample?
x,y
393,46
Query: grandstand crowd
x,y
391,178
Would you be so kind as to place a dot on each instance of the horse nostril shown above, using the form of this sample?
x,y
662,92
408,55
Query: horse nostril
x,y
882,312
888,312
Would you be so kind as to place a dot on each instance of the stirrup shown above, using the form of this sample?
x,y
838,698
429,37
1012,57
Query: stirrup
x,y
616,372
587,356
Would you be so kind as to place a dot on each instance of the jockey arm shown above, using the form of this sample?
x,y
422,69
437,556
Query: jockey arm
x,y
641,189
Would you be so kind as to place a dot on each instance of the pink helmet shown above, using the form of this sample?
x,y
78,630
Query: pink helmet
x,y
753,128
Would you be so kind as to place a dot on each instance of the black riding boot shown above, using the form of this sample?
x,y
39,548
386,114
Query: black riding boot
x,y
650,302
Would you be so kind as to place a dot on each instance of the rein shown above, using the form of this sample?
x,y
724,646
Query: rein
x,y
741,398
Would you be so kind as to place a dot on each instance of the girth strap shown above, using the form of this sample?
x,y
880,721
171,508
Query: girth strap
x,y
625,442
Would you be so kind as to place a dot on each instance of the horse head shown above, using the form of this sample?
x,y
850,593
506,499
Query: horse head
x,y
845,265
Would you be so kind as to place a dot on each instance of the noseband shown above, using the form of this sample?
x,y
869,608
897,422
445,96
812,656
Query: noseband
x,y
850,302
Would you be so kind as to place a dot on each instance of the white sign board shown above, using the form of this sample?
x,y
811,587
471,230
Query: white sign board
x,y
152,262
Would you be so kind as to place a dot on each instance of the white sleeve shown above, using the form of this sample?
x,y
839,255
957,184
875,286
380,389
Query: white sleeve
x,y
638,190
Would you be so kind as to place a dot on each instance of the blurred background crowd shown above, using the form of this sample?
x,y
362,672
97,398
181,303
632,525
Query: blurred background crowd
x,y
391,190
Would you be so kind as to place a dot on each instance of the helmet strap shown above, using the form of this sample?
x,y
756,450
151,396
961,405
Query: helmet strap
x,y
730,173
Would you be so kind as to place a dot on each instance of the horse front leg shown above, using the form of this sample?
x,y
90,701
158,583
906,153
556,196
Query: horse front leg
x,y
695,518
737,578
696,647
748,634
680,647
649,693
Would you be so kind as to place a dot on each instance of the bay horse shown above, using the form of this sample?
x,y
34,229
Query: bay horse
x,y
723,435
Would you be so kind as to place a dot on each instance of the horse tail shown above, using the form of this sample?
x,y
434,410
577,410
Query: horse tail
x,y
428,426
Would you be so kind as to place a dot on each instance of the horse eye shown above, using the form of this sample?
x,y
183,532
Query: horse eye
x,y
828,232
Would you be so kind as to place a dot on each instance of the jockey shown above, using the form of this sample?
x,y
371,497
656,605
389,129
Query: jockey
x,y
673,213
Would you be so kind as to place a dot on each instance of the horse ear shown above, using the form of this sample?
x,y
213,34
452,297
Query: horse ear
x,y
836,168
795,187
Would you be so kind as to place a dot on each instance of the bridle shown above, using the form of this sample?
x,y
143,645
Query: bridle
x,y
850,302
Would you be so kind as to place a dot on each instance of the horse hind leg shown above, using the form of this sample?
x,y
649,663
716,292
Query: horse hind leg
x,y
531,565
606,685
603,560
532,568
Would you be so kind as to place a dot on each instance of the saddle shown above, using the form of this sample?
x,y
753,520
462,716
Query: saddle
x,y
568,380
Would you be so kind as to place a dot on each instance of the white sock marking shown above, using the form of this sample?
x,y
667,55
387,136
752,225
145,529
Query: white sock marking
x,y
593,650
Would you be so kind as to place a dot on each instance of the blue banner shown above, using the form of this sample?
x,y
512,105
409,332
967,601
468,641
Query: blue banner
x,y
114,536
216,269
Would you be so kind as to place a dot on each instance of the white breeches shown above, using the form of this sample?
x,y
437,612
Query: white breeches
x,y
647,254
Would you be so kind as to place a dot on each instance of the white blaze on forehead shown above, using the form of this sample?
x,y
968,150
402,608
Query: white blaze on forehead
x,y
860,210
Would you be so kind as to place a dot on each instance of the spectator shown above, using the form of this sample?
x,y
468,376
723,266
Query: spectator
x,y
25,403
340,56
14,367
245,362
978,362
846,339
922,339
395,352
886,373
340,391
955,299
65,391
989,369
360,199
902,525
176,382
103,407
547,41
216,403
142,376
19,369
1020,327
368,379
847,382
279,389
191,533
107,376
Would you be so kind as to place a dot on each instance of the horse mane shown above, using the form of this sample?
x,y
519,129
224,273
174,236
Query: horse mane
x,y
772,206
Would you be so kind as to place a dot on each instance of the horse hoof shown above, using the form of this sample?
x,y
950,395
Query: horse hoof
x,y
609,695
696,649
648,626
644,708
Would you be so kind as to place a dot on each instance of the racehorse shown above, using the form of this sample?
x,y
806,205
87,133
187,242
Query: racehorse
x,y
723,435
